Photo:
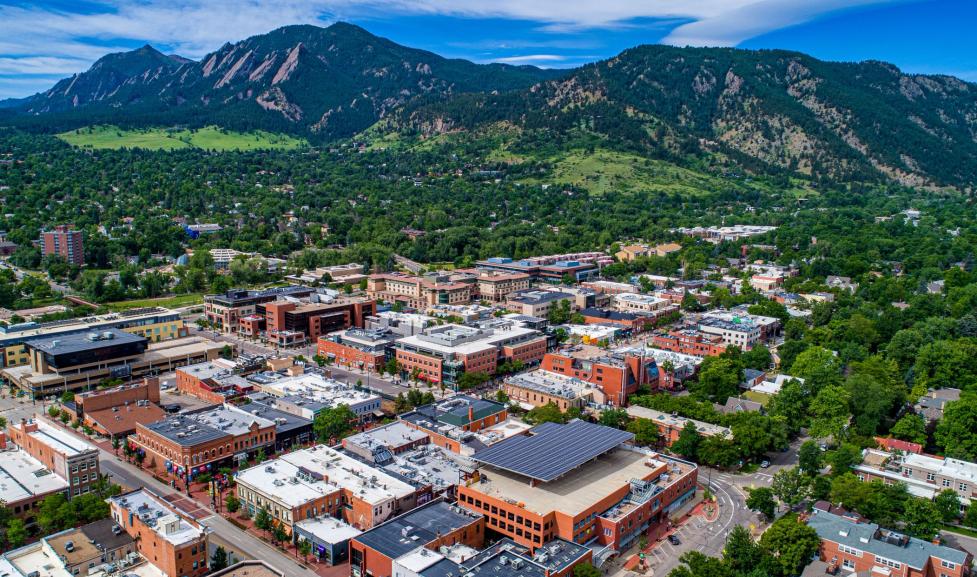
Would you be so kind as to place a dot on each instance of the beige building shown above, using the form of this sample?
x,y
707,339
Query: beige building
x,y
417,292
539,388
924,475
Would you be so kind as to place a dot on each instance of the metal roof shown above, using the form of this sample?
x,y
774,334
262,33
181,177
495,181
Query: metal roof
x,y
551,450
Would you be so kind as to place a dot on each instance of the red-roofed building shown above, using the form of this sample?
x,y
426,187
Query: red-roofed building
x,y
898,445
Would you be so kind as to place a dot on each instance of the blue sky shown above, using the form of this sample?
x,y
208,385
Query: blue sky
x,y
45,40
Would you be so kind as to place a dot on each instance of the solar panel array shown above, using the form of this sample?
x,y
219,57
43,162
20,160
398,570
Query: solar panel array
x,y
552,449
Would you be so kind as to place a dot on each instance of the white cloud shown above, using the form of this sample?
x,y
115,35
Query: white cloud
x,y
530,58
43,39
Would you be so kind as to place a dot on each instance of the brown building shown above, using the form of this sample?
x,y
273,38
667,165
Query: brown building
x,y
65,242
66,455
430,526
617,375
288,323
121,421
97,400
493,286
25,482
418,292
168,538
189,444
689,342
578,481
366,349
82,549
212,381
448,421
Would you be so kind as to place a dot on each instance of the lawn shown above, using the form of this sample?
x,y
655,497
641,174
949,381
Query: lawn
x,y
208,138
168,302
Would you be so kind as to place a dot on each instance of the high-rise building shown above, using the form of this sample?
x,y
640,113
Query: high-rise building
x,y
65,242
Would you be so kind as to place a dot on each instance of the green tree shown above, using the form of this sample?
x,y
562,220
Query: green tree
x,y
719,378
262,520
279,534
304,548
548,413
956,433
334,423
688,442
829,412
471,380
790,403
948,503
218,560
585,570
617,418
232,503
910,427
809,458
761,500
645,432
843,458
970,517
819,368
16,533
922,518
792,542
501,397
790,486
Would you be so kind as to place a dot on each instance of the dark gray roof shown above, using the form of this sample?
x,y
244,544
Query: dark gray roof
x,y
609,314
425,523
262,403
185,431
443,568
85,341
552,449
868,537
101,532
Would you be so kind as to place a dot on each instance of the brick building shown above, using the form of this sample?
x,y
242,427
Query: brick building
x,y
66,455
418,292
145,390
494,286
289,324
689,342
25,482
617,375
435,525
213,381
64,241
169,539
226,310
580,482
317,481
367,349
450,421
189,444
442,354
670,426
856,546
539,388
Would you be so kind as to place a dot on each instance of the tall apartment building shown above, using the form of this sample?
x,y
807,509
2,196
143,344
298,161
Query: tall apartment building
x,y
360,348
64,241
857,547
168,538
441,354
66,455
580,482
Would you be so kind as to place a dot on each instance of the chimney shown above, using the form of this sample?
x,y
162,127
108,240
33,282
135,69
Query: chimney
x,y
3,441
471,413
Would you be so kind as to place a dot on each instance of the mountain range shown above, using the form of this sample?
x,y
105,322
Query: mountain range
x,y
769,111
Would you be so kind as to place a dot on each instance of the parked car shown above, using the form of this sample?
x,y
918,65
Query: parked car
x,y
764,464
674,540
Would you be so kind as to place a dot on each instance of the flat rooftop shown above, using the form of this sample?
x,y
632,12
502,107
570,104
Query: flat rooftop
x,y
185,431
552,450
163,518
229,419
312,387
554,384
403,534
23,476
677,422
85,341
572,493
35,558
61,441
432,465
322,467
329,529
392,435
